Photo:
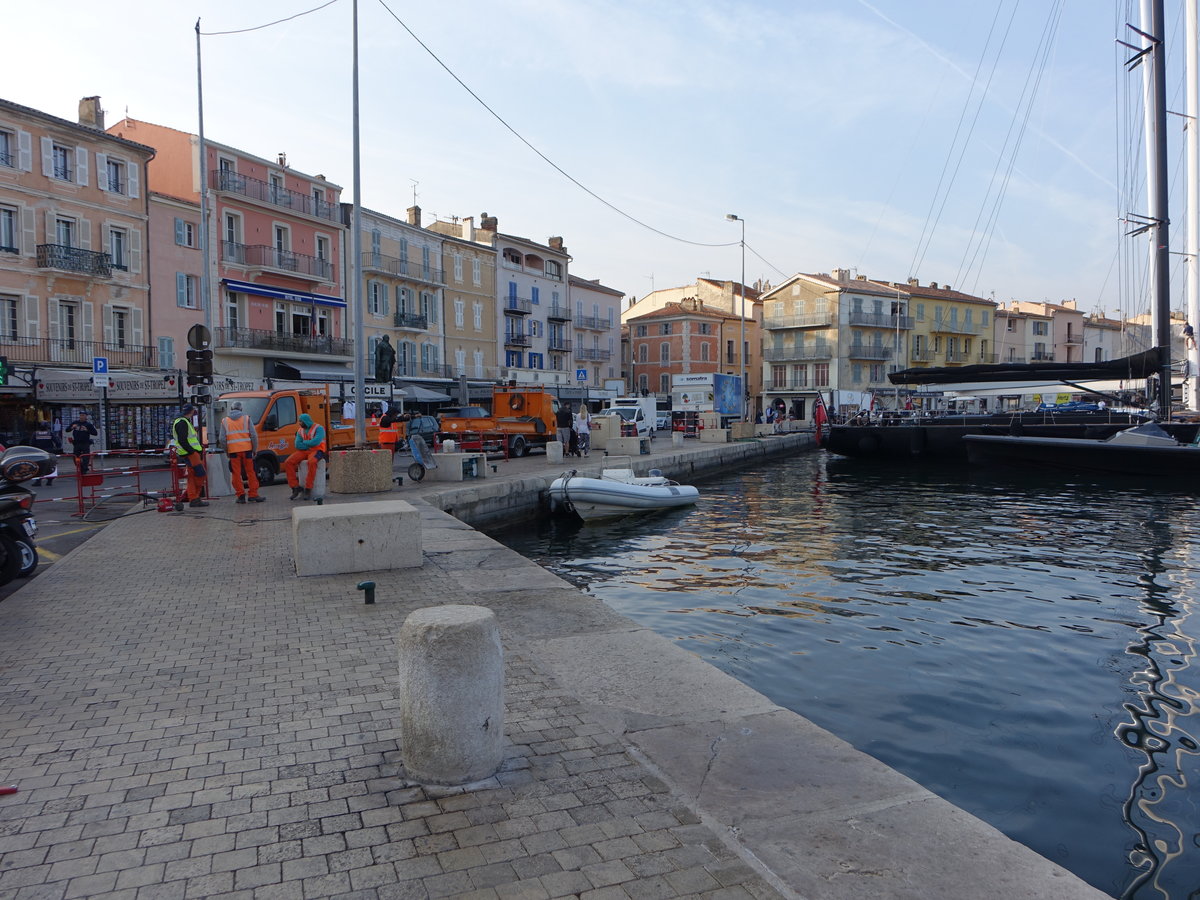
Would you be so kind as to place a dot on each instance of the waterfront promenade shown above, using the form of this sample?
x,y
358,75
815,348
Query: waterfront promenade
x,y
184,717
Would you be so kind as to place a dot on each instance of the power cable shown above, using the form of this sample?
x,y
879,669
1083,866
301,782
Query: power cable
x,y
269,24
542,155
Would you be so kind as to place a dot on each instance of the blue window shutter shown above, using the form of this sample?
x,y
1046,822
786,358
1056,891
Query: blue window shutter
x,y
180,235
534,295
512,290
180,289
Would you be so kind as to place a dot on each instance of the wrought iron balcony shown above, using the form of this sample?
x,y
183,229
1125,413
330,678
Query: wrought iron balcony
x,y
558,314
957,356
72,259
881,320
787,386
558,344
1012,360
953,326
921,355
803,351
593,354
1042,357
6,160
267,257
592,323
1073,339
282,341
66,350
512,339
517,306
256,189
868,351
817,320
411,320
402,268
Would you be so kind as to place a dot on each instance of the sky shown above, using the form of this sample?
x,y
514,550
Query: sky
x,y
872,135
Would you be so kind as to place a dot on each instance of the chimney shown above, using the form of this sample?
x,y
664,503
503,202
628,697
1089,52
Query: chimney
x,y
468,228
1069,304
914,282
282,159
556,243
90,113
841,275
414,216
933,284
488,223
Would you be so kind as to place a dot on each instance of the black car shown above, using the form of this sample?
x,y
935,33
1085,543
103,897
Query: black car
x,y
425,426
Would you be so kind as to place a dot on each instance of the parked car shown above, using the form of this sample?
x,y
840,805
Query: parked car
x,y
463,412
663,422
425,426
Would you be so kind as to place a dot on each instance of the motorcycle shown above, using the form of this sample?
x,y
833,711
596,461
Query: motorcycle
x,y
18,528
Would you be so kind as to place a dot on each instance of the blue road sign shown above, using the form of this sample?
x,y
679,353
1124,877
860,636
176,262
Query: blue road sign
x,y
99,365
581,374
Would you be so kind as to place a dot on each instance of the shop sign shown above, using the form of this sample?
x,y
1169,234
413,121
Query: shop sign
x,y
61,386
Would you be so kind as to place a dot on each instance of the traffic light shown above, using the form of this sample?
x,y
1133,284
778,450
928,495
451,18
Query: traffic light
x,y
199,367
3,370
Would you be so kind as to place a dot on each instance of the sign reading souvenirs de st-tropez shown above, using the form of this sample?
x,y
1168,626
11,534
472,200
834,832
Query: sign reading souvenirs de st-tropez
x,y
64,386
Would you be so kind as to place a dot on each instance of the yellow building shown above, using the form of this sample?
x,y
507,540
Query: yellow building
x,y
949,328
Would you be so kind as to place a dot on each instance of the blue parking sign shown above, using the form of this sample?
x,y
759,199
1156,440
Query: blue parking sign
x,y
99,365
581,374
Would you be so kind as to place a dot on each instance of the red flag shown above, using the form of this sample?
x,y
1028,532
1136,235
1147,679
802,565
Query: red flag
x,y
908,404
820,416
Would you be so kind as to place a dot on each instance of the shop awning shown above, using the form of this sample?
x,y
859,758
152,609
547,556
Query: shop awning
x,y
417,394
303,370
277,293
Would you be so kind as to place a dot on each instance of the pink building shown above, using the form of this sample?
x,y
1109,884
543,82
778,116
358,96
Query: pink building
x,y
278,307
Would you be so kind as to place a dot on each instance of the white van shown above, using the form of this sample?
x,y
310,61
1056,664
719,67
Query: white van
x,y
631,414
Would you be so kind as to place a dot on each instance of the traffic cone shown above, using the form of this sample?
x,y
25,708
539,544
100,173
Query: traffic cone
x,y
374,419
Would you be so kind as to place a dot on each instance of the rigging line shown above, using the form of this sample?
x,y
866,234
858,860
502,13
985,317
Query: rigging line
x,y
543,156
269,24
963,151
957,130
1029,94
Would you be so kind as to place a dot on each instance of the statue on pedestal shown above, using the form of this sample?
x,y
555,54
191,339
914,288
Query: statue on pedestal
x,y
385,360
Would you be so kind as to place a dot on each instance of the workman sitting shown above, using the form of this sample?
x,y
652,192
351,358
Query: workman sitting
x,y
311,446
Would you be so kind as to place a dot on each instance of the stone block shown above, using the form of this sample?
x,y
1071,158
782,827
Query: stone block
x,y
741,430
451,693
360,470
356,537
554,452
677,438
629,446
714,436
459,467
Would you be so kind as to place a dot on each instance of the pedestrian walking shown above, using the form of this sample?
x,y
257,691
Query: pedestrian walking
x,y
43,439
564,421
310,446
80,434
57,430
191,451
240,440
583,430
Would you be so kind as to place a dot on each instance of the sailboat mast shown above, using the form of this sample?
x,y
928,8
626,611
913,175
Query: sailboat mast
x,y
1156,181
1192,385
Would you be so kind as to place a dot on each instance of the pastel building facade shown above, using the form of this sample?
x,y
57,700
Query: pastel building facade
x,y
594,331
469,303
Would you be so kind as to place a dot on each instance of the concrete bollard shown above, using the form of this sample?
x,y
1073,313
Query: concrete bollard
x,y
676,438
554,452
451,694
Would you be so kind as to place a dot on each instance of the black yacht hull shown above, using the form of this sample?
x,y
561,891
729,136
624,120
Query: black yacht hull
x,y
1179,464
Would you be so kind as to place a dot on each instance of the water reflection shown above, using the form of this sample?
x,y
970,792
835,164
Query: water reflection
x,y
1021,648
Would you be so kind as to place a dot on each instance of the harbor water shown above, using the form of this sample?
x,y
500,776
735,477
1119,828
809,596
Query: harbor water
x,y
1022,645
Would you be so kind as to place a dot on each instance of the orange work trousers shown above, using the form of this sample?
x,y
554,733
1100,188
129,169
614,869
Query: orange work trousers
x,y
197,485
292,467
241,467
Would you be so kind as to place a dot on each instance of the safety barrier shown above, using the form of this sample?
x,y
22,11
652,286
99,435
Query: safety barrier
x,y
97,487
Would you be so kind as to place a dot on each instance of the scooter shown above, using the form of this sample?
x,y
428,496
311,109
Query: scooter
x,y
18,528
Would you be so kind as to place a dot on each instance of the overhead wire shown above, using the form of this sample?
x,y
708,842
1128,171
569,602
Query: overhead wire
x,y
539,153
269,24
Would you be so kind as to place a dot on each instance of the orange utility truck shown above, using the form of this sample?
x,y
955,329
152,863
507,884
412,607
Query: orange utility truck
x,y
276,415
522,419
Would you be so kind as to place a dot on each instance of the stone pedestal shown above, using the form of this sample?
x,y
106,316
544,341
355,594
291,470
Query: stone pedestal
x,y
356,537
554,452
676,438
741,430
365,470
714,436
630,446
459,466
451,693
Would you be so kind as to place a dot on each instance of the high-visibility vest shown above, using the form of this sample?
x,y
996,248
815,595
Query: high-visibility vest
x,y
389,434
308,435
192,438
237,434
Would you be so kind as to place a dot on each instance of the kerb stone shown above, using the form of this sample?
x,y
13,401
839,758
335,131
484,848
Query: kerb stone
x,y
356,537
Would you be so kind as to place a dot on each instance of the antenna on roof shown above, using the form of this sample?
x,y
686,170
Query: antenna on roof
x,y
414,184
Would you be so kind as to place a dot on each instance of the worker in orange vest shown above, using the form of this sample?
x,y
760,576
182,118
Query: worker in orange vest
x,y
389,433
311,446
240,441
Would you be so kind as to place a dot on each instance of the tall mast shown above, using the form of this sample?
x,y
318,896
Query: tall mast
x,y
1156,183
1192,386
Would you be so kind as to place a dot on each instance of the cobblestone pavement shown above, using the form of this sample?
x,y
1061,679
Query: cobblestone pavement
x,y
185,718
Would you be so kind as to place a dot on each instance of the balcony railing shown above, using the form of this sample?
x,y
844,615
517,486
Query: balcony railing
x,y
921,355
592,323
72,259
1013,360
787,386
953,326
517,306
66,350
868,351
1073,339
411,320
6,159
261,339
402,268
517,340
881,320
804,351
558,314
267,257
1042,357
593,355
957,356
559,345
276,196
798,321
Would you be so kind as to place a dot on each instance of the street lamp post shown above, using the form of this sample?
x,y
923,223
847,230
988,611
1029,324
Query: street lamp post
x,y
742,289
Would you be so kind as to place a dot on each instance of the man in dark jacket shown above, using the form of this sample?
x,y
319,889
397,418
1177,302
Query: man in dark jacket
x,y
80,434
191,453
